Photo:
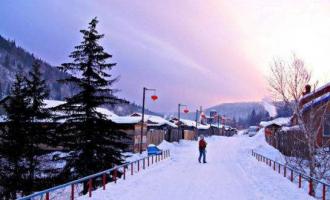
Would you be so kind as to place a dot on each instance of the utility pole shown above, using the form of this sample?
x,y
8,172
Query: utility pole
x,y
153,97
179,123
196,124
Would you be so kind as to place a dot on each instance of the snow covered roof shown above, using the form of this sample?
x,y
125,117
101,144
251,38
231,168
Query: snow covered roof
x,y
153,120
315,98
290,128
316,91
317,101
191,123
104,111
202,126
188,122
281,121
109,114
125,119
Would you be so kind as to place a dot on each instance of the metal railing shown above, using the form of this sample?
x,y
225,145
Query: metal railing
x,y
71,187
316,188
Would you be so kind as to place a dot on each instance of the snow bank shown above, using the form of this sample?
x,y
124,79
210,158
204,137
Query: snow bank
x,y
259,145
164,145
281,121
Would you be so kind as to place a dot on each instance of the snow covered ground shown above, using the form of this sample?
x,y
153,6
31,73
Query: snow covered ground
x,y
231,173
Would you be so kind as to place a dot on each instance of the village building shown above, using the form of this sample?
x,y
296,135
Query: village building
x,y
315,107
191,130
272,129
159,129
286,134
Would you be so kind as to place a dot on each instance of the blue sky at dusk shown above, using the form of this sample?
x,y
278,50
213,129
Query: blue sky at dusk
x,y
193,52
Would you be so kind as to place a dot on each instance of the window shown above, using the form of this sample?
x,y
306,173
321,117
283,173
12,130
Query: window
x,y
326,130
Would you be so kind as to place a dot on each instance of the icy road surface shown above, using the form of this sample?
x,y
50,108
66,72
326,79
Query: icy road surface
x,y
231,173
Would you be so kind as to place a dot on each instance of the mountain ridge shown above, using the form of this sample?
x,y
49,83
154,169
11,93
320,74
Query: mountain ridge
x,y
15,59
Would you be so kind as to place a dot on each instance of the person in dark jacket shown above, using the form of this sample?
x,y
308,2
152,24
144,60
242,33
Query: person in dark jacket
x,y
202,149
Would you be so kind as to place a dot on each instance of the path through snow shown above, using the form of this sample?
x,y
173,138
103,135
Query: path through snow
x,y
231,173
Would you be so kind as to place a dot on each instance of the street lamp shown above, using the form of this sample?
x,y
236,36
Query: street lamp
x,y
196,120
154,97
179,111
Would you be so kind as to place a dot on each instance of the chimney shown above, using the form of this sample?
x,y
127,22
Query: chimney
x,y
307,89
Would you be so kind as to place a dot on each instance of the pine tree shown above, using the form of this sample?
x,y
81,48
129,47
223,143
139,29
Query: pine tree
x,y
13,139
86,133
37,91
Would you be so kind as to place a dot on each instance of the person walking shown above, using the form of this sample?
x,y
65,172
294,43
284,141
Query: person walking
x,y
202,149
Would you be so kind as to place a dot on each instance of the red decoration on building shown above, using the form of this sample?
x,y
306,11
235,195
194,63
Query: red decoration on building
x,y
186,110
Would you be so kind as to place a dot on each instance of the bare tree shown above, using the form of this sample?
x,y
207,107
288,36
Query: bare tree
x,y
287,83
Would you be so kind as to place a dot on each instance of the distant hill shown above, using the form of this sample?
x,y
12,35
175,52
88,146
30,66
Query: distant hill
x,y
14,59
237,110
232,110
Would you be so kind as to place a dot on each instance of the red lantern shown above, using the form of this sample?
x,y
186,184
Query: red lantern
x,y
186,110
154,97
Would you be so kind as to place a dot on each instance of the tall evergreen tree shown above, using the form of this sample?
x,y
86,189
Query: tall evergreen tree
x,y
87,133
13,138
37,91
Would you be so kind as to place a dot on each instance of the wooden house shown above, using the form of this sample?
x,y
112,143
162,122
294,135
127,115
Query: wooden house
x,y
315,107
158,129
272,129
186,128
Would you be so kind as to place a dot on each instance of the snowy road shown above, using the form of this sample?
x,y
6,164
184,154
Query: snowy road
x,y
231,173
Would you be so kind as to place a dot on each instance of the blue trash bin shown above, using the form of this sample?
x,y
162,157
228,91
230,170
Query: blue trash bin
x,y
153,150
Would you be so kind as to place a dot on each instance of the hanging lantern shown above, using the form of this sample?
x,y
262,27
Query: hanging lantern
x,y
154,97
185,110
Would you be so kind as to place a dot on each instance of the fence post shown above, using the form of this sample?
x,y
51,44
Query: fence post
x,y
131,168
47,196
310,187
138,165
279,168
148,160
104,180
291,175
284,171
124,173
299,180
152,159
144,163
323,192
274,165
72,192
115,175
90,188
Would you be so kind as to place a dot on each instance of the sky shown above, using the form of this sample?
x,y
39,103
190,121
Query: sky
x,y
195,52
